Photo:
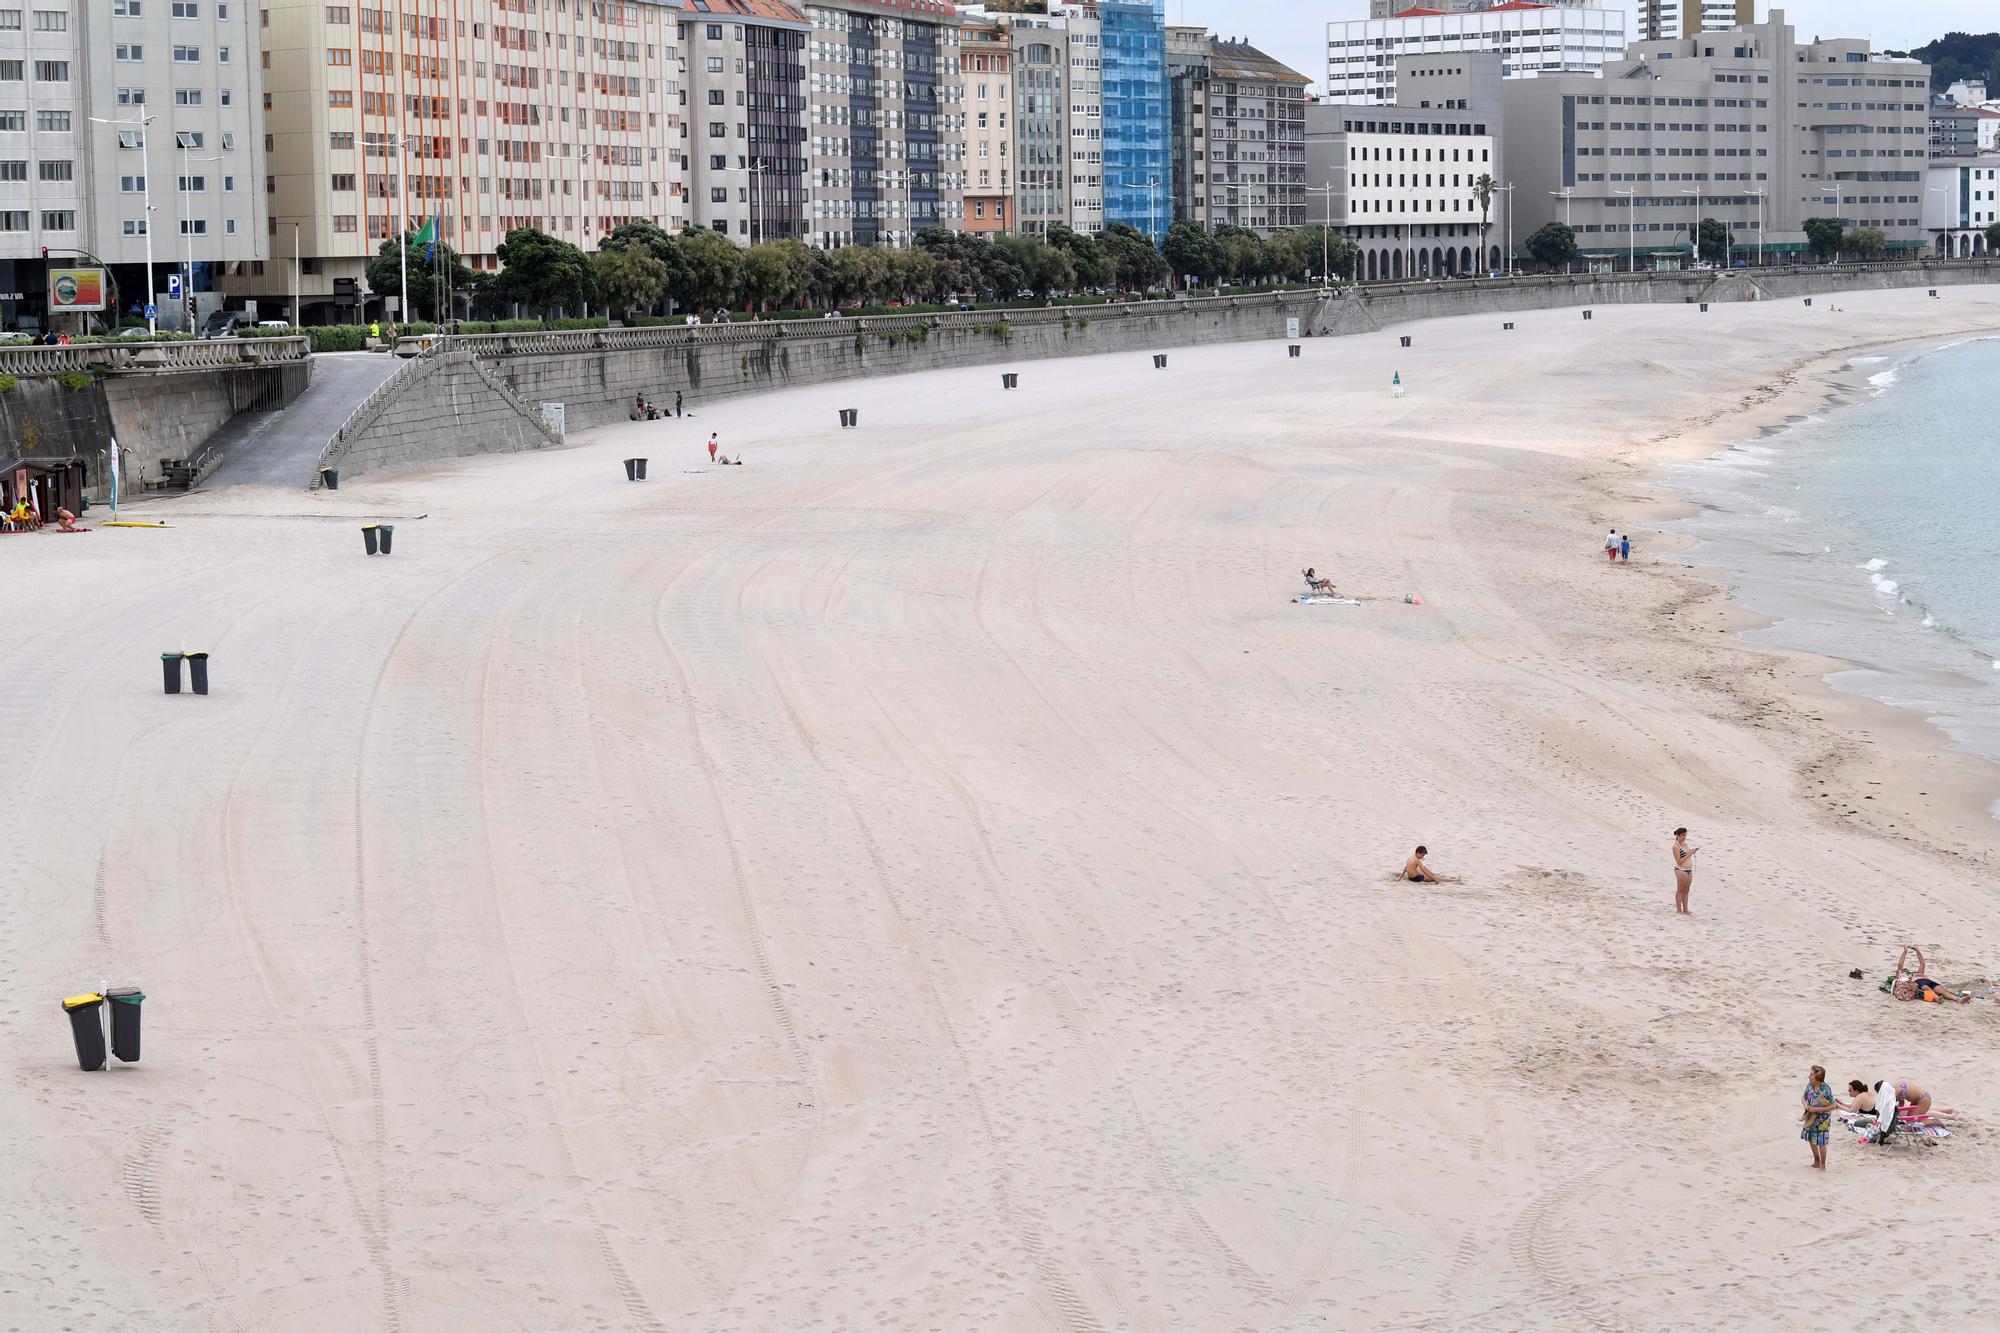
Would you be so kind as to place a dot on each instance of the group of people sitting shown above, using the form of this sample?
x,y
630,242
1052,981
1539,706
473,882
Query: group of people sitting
x,y
645,409
24,517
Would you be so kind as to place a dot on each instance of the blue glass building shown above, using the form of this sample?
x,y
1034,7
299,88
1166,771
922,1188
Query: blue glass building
x,y
1138,125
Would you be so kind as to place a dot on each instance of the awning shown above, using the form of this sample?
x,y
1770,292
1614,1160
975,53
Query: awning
x,y
46,463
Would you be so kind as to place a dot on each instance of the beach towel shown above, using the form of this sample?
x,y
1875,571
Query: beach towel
x,y
1328,601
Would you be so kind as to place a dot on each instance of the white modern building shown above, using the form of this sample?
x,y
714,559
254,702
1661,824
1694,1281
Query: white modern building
x,y
1670,19
1532,39
1961,200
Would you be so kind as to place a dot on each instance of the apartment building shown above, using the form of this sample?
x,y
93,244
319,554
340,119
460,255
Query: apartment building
x,y
1250,139
887,133
1749,126
1402,180
745,63
182,77
1137,131
1187,105
1533,40
1085,119
1670,19
986,67
1954,129
485,115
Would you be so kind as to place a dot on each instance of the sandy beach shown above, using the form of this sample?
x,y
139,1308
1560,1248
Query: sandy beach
x,y
934,877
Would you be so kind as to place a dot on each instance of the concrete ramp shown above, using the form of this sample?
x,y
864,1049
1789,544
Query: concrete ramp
x,y
282,448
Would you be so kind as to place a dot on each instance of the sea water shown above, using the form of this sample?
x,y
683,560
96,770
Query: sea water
x,y
1871,531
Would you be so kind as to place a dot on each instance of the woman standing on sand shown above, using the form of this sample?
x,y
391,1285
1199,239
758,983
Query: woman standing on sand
x,y
1817,1113
1683,871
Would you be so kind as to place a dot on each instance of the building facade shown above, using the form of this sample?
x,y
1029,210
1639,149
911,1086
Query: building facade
x,y
1954,129
482,115
1137,131
1187,107
746,71
1085,114
1748,126
1249,140
887,133
1404,181
986,63
1532,39
1962,200
105,101
1672,19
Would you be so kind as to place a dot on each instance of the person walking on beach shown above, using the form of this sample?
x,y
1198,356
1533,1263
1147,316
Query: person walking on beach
x,y
1817,1115
711,446
1683,871
1625,549
677,402
1611,546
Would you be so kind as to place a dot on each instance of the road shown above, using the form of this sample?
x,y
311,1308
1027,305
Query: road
x,y
281,448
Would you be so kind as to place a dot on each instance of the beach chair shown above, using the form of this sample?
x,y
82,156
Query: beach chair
x,y
1317,587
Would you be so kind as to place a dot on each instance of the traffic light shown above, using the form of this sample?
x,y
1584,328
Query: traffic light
x,y
45,254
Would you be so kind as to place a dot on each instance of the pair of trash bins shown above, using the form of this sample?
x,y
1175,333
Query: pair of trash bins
x,y
1292,350
197,665
1010,379
850,417
377,536
1159,360
635,469
86,1025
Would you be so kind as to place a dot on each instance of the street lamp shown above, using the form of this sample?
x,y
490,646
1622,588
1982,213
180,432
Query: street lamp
x,y
756,170
1946,228
1834,190
1153,209
1694,243
1760,225
1631,229
1564,194
186,183
146,184
1325,234
402,189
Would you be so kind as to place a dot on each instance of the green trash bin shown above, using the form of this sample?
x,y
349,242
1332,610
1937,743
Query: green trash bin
x,y
125,1002
87,1029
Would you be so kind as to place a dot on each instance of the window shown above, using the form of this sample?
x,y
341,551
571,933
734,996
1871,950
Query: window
x,y
58,219
193,184
342,180
186,9
191,138
717,130
135,226
14,219
222,55
131,97
339,55
337,14
13,171
194,226
13,120
13,71
228,224
187,97
188,55
718,195
343,222
56,122
715,97
229,138
52,71
714,32
10,20
132,52
340,139
715,64
125,8
52,20
229,185
226,98
718,162
131,184
336,97
63,170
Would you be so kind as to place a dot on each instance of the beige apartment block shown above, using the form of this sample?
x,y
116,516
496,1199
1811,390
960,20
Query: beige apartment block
x,y
486,115
986,70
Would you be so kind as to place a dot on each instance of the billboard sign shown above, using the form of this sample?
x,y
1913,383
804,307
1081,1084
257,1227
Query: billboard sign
x,y
76,289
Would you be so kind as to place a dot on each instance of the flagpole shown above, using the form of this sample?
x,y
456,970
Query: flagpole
x,y
114,476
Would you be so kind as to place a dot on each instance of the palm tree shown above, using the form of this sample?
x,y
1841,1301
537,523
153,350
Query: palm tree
x,y
1482,194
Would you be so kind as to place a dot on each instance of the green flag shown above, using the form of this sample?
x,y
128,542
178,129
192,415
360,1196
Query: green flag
x,y
426,234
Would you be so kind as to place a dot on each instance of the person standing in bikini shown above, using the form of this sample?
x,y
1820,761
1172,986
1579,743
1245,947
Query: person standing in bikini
x,y
1683,871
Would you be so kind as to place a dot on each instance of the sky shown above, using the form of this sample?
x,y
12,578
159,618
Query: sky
x,y
1295,30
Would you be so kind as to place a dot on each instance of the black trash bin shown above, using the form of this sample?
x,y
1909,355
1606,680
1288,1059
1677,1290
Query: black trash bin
x,y
1507,326
170,669
1808,300
642,468
1586,314
386,534
198,672
87,1029
1704,307
1293,350
329,477
1933,293
1406,340
1159,361
850,416
368,536
631,469
125,1001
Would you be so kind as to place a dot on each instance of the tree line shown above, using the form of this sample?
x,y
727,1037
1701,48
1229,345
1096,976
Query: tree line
x,y
640,266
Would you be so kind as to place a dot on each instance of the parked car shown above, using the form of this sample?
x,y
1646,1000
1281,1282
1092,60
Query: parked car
x,y
224,324
274,323
141,331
